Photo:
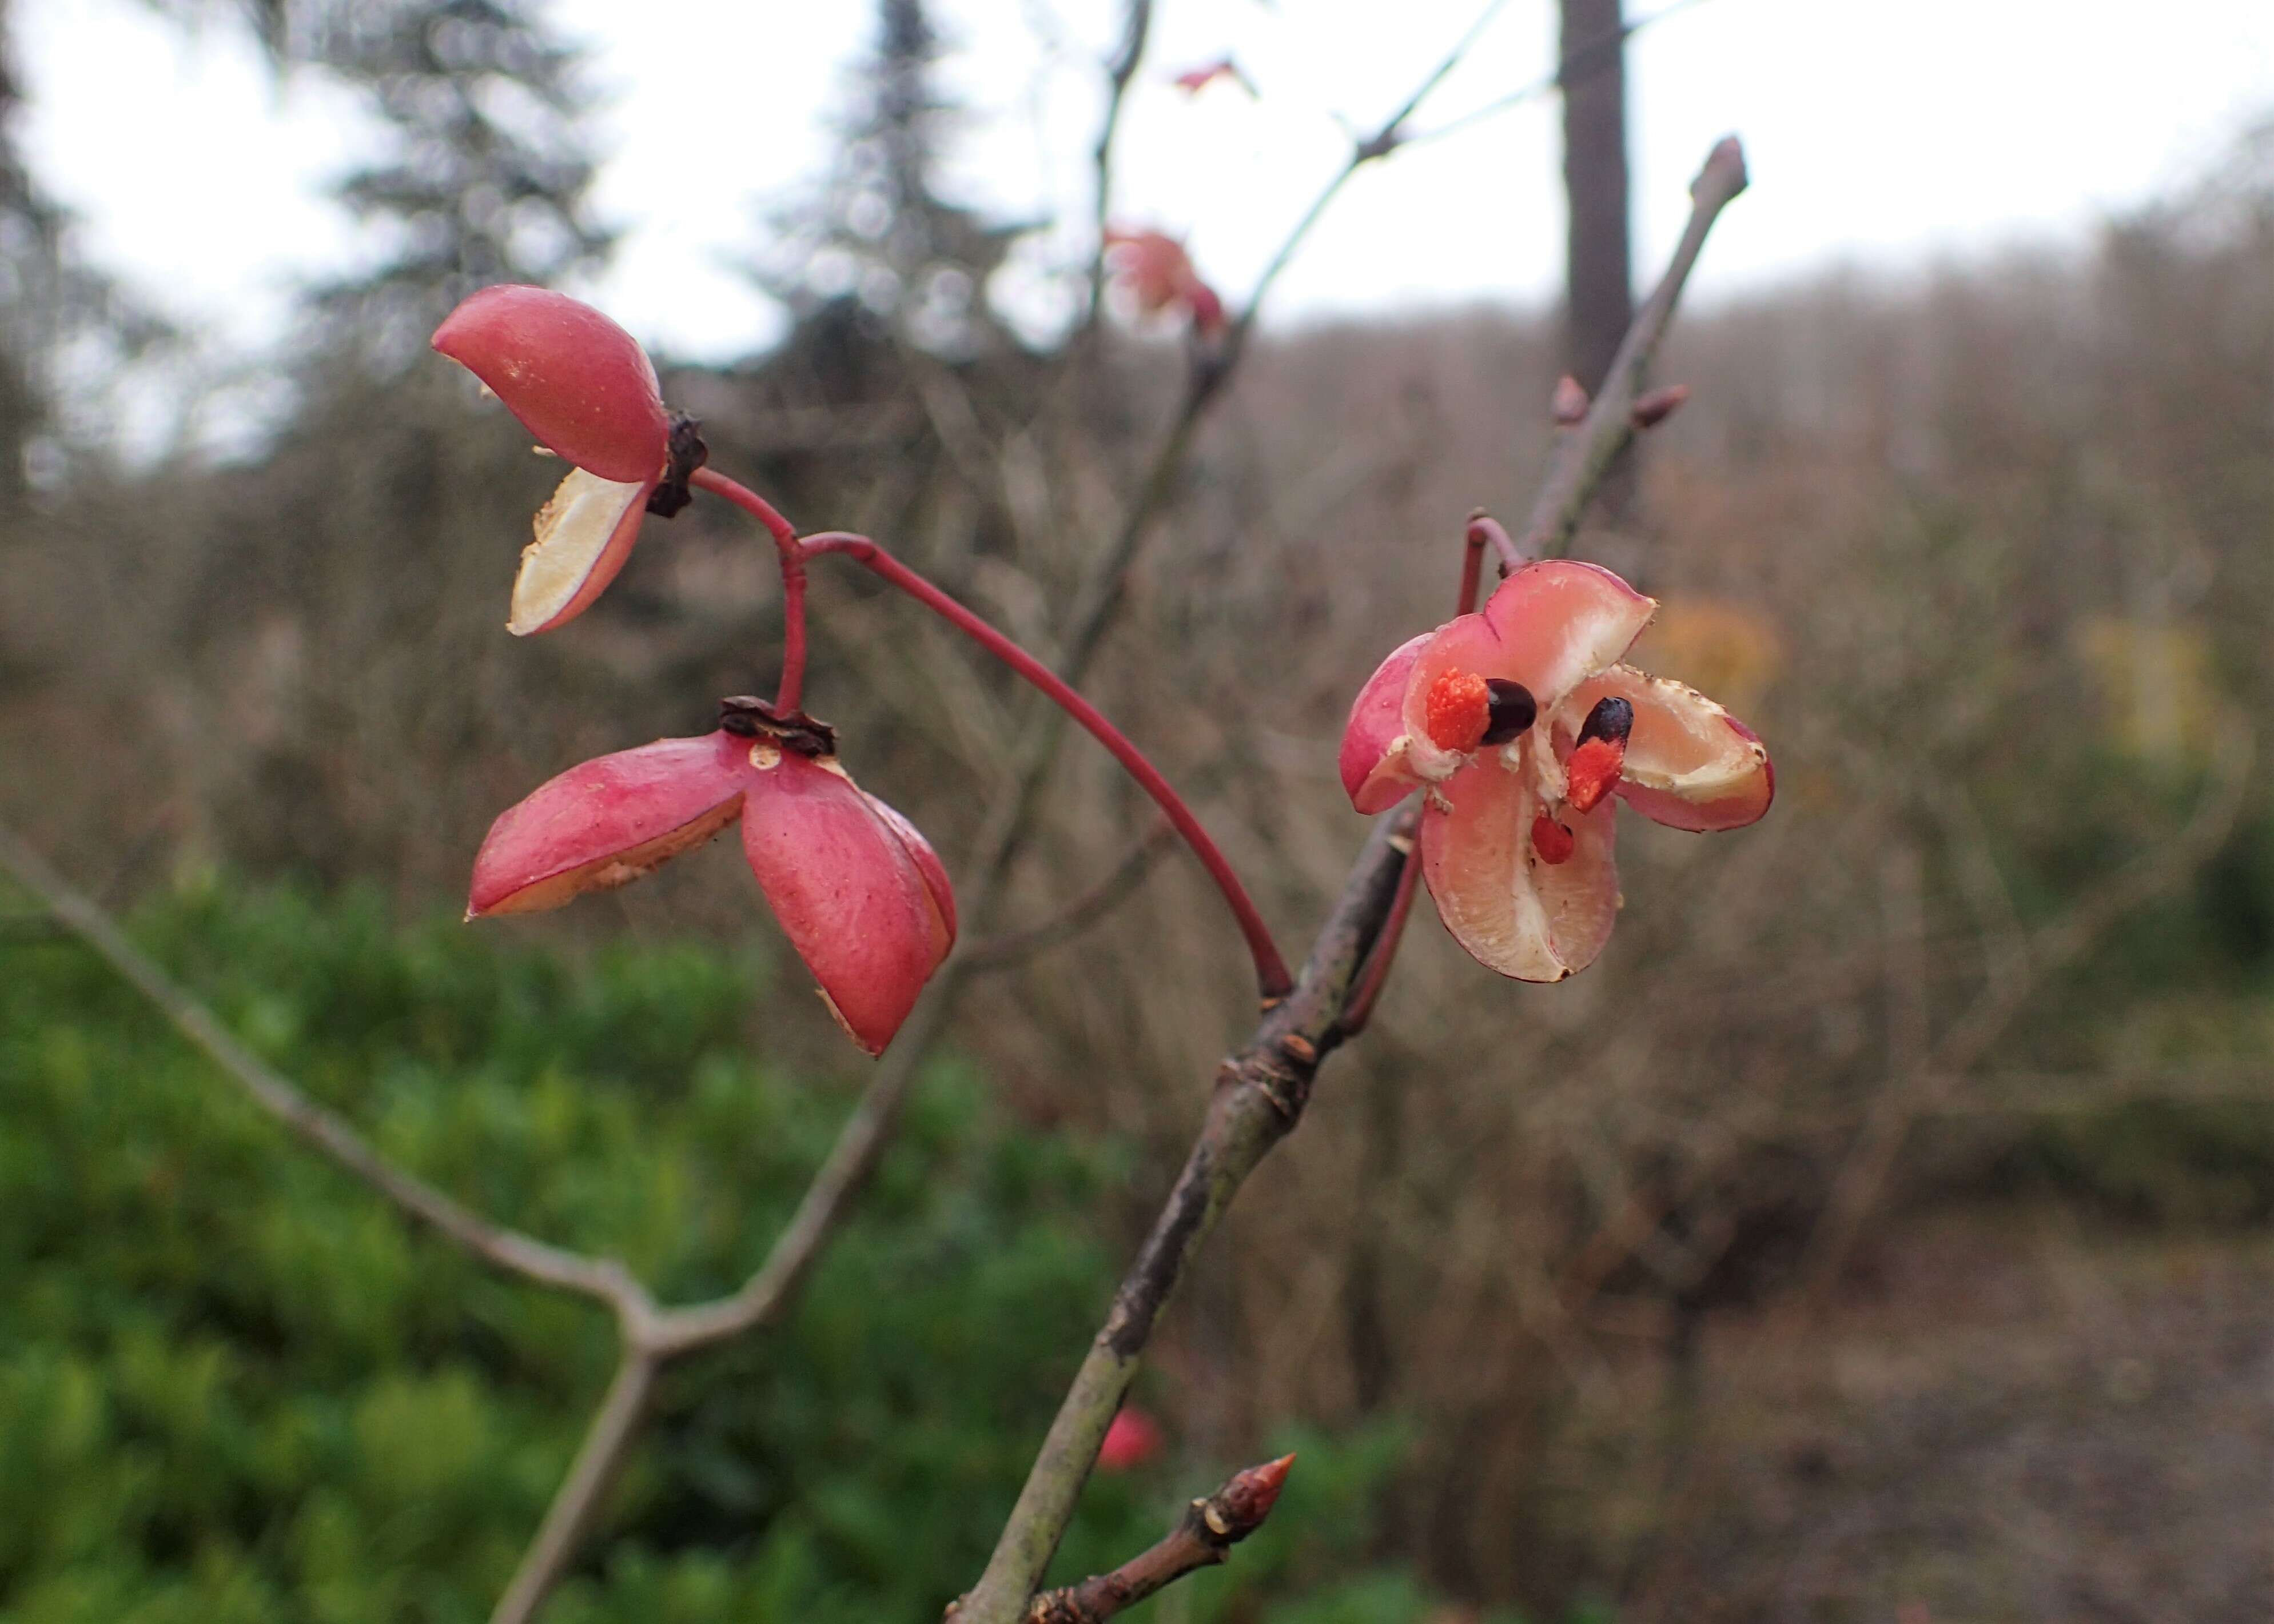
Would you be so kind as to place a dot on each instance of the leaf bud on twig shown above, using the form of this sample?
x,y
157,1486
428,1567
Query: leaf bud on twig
x,y
1660,405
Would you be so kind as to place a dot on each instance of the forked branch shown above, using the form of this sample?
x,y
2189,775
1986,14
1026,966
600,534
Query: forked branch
x,y
602,1279
651,1335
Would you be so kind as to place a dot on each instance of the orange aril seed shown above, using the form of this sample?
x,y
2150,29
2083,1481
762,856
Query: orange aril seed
x,y
1553,841
1457,710
1592,770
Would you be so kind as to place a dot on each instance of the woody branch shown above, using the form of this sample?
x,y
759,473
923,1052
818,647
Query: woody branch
x,y
1203,1538
651,1335
1261,1092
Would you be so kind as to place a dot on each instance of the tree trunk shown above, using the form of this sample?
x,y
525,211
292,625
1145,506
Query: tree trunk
x,y
1599,275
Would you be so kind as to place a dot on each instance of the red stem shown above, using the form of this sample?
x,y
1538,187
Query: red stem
x,y
793,574
1482,529
1271,976
1359,1008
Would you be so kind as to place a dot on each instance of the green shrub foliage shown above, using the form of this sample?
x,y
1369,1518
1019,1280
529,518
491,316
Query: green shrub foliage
x,y
236,1388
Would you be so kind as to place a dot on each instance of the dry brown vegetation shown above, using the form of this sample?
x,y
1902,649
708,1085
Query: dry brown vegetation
x,y
1982,553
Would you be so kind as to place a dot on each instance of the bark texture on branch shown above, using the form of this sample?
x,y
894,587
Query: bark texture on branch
x,y
1259,1097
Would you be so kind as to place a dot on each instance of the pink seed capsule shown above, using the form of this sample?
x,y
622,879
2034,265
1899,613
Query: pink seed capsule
x,y
576,380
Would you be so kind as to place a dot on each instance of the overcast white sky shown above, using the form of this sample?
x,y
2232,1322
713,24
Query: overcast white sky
x,y
1881,132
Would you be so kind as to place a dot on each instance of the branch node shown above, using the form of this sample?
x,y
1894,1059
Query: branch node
x,y
1203,1538
1287,1086
1380,144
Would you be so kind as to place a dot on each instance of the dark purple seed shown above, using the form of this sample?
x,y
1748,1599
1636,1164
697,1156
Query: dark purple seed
x,y
1612,719
1509,711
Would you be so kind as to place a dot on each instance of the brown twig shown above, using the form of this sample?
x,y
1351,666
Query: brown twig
x,y
1610,427
1119,884
851,1159
577,1500
1856,1189
1003,830
1259,1097
1261,1091
1483,530
1102,589
1120,69
1585,59
1203,1537
1374,974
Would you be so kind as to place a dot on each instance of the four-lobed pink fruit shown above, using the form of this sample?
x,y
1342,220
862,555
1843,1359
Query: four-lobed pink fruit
x,y
860,893
1518,833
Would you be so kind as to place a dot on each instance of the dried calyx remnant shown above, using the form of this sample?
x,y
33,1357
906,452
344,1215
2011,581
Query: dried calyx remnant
x,y
749,717
686,450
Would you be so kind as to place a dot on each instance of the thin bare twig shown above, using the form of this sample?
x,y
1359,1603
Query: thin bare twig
x,y
651,1335
1136,25
1374,974
1259,1095
1203,1537
602,1279
577,1500
1209,375
852,1158
1585,59
672,1333
1609,428
1856,1189
1099,594
1262,1090
1119,884
1483,530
